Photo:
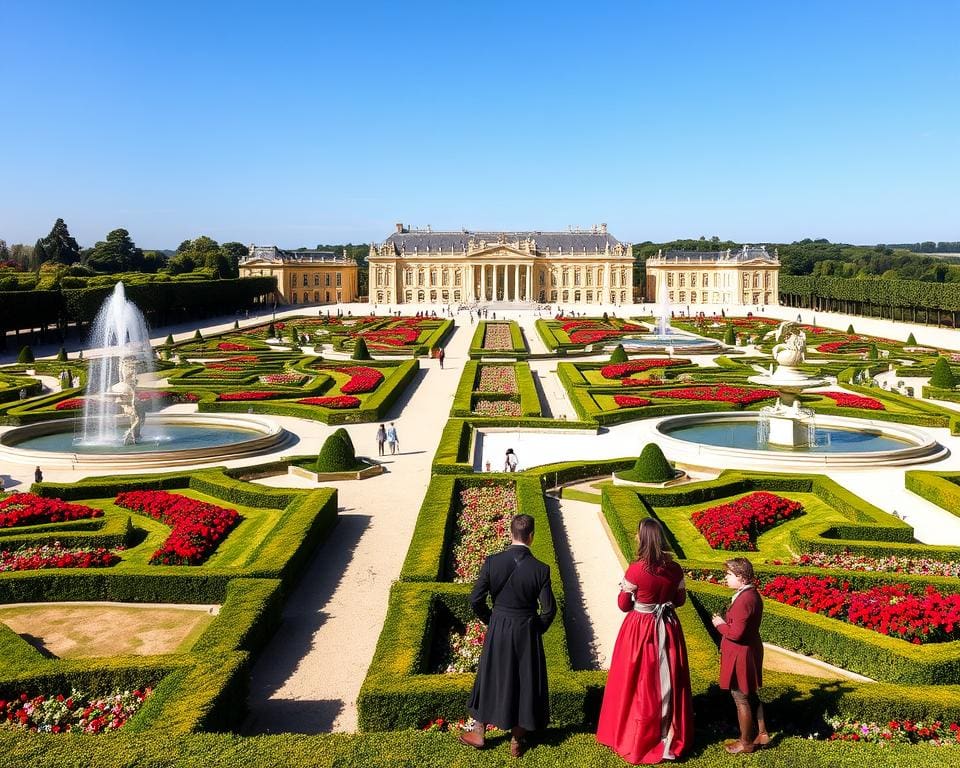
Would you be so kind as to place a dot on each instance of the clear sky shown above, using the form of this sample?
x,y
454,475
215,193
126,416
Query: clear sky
x,y
301,123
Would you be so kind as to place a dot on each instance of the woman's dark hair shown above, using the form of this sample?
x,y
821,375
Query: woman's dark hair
x,y
651,543
741,568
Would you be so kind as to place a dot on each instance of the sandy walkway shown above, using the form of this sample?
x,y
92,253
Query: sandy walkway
x,y
308,678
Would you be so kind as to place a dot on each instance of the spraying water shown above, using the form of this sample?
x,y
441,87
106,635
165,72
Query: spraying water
x,y
119,343
663,321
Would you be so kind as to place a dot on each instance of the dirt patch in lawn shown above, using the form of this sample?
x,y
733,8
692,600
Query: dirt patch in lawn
x,y
72,630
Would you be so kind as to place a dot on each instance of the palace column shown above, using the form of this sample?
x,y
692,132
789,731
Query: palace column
x,y
472,272
529,282
607,283
515,291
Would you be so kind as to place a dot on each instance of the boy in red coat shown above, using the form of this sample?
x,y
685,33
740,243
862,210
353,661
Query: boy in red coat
x,y
741,655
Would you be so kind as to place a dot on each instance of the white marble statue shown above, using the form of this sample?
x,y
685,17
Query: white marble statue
x,y
791,348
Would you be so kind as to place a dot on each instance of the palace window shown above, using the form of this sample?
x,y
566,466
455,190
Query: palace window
x,y
682,279
339,279
669,279
420,280
293,281
756,279
433,276
445,276
746,280
693,279
683,297
576,276
316,296
326,279
379,278
408,279
589,277
766,279
293,299
305,283
706,280
693,297
566,277
316,279
543,278
457,277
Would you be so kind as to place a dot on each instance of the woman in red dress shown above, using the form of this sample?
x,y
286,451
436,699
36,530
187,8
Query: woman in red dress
x,y
741,655
647,710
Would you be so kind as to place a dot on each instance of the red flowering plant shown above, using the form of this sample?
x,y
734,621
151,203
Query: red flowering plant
x,y
362,379
935,733
651,380
288,379
482,526
337,402
76,713
718,392
217,366
496,337
629,401
250,395
890,609
197,526
497,408
72,404
462,651
393,337
229,346
34,558
30,509
593,335
849,345
619,370
848,561
499,379
847,400
736,525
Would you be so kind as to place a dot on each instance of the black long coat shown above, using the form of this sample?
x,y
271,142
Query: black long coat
x,y
511,684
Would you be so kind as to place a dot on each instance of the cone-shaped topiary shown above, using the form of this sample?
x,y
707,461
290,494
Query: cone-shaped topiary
x,y
872,353
360,350
619,355
294,337
943,377
197,336
730,336
337,454
169,339
651,466
236,325
25,356
911,339
850,329
62,355
271,331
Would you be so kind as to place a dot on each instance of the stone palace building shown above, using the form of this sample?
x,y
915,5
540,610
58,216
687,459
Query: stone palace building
x,y
306,276
747,277
581,267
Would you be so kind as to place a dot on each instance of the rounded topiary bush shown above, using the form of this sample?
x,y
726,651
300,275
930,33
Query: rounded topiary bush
x,y
62,355
360,350
337,454
651,467
25,356
911,339
730,336
619,355
943,377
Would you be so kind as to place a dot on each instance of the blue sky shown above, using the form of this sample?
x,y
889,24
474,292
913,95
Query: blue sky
x,y
301,123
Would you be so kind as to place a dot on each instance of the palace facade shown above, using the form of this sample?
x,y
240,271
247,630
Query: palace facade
x,y
747,277
420,266
304,277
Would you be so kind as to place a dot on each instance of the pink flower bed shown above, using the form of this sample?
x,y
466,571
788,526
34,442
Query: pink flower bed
x,y
229,346
592,336
501,379
337,401
496,337
629,401
482,526
56,556
848,561
846,400
736,525
719,392
283,378
497,408
73,404
362,379
619,370
30,509
249,395
198,527
76,713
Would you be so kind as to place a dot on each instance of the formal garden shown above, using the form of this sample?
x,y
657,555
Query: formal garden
x,y
137,605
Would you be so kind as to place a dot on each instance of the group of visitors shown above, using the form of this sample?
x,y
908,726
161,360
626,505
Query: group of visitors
x,y
647,710
388,436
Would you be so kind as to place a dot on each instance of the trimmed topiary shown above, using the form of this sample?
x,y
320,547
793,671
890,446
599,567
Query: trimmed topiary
x,y
911,339
360,350
169,340
730,336
872,353
652,466
943,377
62,355
337,454
197,336
236,325
850,329
619,355
25,356
271,331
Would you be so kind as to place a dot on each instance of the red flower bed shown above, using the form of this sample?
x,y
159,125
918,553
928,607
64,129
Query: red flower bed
x,y
393,337
337,401
229,346
74,403
154,395
846,400
848,345
890,609
198,526
250,395
619,370
593,335
719,392
735,526
56,556
223,367
640,382
29,509
629,401
76,713
574,324
362,379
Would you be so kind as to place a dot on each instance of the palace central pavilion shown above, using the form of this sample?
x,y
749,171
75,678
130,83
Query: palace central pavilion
x,y
420,266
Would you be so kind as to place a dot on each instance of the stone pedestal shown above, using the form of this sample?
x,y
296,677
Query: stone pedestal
x,y
785,430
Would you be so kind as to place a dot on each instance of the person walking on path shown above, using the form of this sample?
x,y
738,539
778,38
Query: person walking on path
x,y
38,475
510,689
441,355
511,461
741,655
381,439
392,440
647,710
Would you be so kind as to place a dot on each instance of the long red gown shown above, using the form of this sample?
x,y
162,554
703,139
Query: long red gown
x,y
647,704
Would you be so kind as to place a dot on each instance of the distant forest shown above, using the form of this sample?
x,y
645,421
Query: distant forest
x,y
821,257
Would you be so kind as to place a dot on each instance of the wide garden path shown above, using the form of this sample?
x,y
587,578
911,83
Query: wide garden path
x,y
308,678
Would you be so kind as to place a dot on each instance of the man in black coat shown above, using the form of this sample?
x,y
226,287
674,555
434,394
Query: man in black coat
x,y
510,690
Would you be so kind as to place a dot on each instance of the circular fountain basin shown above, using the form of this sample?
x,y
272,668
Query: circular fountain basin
x,y
166,440
679,343
730,440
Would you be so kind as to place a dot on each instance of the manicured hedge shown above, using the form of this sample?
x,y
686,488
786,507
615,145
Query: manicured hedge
x,y
940,488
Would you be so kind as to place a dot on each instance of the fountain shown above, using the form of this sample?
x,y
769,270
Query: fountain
x,y
667,339
663,321
114,433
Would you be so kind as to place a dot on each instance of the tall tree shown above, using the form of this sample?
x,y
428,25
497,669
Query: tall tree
x,y
117,253
59,246
234,252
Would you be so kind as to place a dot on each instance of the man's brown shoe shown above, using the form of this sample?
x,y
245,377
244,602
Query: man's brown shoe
x,y
471,739
518,747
